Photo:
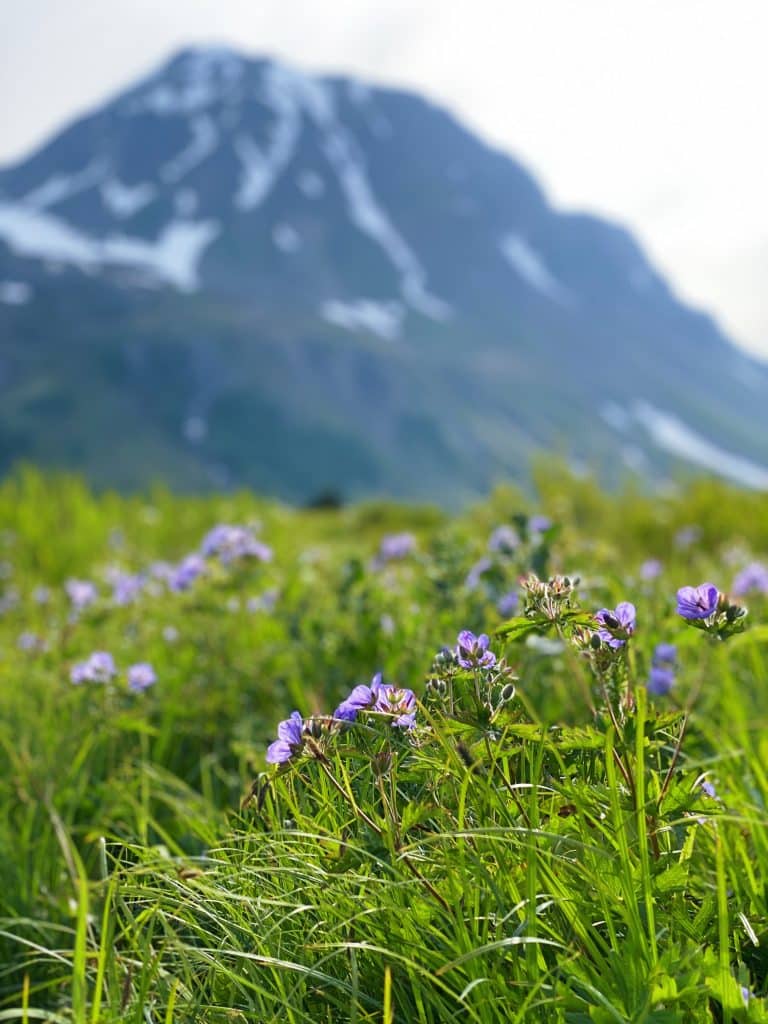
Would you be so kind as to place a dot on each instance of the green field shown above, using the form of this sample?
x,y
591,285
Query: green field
x,y
549,842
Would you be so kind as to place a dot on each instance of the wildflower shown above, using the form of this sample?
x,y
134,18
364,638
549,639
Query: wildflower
x,y
232,543
504,540
472,651
41,595
753,578
290,741
360,699
81,593
28,641
664,654
551,597
398,702
478,569
98,668
507,604
394,548
661,680
140,677
709,789
185,574
697,602
539,524
687,536
163,571
650,569
127,588
662,675
170,634
618,625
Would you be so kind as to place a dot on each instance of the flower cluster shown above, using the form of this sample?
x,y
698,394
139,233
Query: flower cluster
x,y
753,579
81,593
100,667
548,598
394,548
234,543
382,698
126,587
397,704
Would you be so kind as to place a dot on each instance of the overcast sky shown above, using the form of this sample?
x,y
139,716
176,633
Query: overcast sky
x,y
650,111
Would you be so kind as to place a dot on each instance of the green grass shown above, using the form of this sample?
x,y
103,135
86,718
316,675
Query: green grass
x,y
555,859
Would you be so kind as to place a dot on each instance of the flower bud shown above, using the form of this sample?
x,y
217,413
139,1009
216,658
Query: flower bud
x,y
507,693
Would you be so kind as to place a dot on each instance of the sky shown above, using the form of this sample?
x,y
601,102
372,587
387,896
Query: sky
x,y
651,112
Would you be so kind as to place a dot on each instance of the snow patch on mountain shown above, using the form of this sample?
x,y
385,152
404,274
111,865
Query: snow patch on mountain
x,y
205,138
381,318
310,184
316,99
173,258
204,77
676,437
530,266
61,186
15,293
616,416
185,202
125,200
286,238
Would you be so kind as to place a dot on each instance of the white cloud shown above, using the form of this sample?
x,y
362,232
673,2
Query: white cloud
x,y
650,111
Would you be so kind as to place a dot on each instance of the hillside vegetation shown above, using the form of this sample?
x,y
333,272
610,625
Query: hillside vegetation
x,y
562,821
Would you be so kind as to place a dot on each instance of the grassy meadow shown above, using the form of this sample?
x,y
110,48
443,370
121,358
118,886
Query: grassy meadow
x,y
537,834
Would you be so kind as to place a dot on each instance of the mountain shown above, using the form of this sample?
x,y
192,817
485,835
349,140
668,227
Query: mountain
x,y
237,273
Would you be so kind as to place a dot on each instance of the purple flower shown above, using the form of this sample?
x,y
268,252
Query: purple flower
x,y
687,535
127,588
539,524
504,539
28,641
507,604
753,578
186,572
231,543
289,742
360,699
618,625
472,651
478,569
396,546
98,668
664,654
81,593
697,602
162,571
661,680
140,677
650,569
709,789
398,702
41,595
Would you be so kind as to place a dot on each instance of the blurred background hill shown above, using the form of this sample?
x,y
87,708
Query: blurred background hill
x,y
235,272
